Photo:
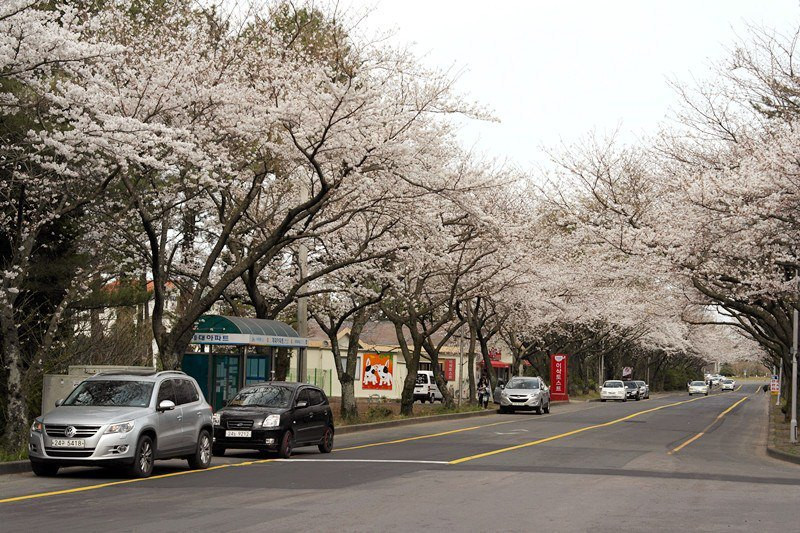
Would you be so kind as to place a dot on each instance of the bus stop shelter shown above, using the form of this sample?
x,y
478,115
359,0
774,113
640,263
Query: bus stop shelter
x,y
235,352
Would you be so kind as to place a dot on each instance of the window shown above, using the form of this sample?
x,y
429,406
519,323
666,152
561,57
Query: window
x,y
165,392
303,396
185,391
357,373
315,397
263,396
111,393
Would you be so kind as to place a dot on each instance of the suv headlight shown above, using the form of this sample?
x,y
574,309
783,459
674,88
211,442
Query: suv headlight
x,y
120,427
216,419
37,426
272,421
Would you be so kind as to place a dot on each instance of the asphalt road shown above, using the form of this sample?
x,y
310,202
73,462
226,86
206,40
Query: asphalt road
x,y
666,464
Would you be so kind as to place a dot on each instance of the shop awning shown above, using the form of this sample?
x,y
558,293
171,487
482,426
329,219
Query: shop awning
x,y
236,330
497,364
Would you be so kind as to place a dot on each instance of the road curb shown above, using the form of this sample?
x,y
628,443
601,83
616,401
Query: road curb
x,y
783,456
357,428
15,467
772,451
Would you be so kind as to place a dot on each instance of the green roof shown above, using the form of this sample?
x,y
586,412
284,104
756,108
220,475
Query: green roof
x,y
237,324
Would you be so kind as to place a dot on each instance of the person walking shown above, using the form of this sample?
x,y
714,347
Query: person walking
x,y
483,392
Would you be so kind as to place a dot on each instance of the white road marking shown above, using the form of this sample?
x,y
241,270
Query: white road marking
x,y
410,461
514,432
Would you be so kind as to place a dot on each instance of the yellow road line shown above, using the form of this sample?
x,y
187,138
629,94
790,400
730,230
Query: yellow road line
x,y
569,433
126,481
705,429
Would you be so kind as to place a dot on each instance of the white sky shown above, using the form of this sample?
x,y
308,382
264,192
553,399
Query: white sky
x,y
553,70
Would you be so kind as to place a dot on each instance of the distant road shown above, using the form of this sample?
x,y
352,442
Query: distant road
x,y
666,464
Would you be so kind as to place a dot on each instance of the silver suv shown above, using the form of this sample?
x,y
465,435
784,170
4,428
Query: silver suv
x,y
127,419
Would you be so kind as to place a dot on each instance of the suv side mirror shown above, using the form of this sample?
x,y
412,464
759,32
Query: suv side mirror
x,y
301,403
166,405
59,402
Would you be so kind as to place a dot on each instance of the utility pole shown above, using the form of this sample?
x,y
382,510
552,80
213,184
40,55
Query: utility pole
x,y
780,382
302,303
793,423
601,371
460,363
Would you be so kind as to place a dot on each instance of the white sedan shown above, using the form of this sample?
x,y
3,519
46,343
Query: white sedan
x,y
698,387
613,389
728,384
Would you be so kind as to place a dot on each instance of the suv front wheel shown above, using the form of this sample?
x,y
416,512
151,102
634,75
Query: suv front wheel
x,y
143,458
202,457
44,469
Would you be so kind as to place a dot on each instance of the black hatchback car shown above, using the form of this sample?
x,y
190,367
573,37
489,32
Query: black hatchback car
x,y
274,416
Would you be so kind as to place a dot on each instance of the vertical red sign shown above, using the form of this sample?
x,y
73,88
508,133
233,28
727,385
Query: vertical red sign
x,y
558,377
449,369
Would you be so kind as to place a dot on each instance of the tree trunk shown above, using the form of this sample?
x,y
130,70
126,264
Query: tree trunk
x,y
487,363
283,361
447,398
473,393
412,365
16,407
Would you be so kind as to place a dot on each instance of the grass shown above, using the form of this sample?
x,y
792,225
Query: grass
x,y
7,455
779,430
390,410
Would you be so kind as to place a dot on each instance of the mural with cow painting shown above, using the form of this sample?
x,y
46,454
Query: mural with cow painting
x,y
377,372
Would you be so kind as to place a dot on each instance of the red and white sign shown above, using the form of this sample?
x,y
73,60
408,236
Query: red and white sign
x,y
558,377
775,385
449,369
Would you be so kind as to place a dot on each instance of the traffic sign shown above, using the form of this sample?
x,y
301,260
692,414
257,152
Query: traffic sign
x,y
775,385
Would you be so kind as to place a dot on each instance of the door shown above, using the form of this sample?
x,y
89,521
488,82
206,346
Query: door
x,y
193,409
318,417
226,379
302,417
169,428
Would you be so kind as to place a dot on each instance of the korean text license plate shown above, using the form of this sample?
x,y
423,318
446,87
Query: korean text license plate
x,y
237,433
66,443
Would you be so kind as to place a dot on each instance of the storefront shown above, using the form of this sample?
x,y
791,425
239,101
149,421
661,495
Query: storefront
x,y
235,352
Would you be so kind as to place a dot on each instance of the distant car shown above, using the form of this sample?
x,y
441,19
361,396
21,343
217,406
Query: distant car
x,y
728,384
633,391
646,388
613,389
525,393
128,419
275,416
425,388
698,387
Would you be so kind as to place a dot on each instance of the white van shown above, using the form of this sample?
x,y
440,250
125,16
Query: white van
x,y
426,389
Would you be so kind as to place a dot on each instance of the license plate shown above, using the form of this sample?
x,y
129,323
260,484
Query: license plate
x,y
232,433
66,443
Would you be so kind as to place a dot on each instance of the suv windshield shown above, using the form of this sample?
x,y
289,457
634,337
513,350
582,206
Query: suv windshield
x,y
523,384
263,396
111,393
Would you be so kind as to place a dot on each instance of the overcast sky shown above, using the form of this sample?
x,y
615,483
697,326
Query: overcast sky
x,y
556,69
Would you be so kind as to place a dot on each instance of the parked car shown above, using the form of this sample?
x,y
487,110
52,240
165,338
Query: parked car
x,y
613,389
275,416
698,387
525,393
728,384
426,389
646,388
126,419
633,391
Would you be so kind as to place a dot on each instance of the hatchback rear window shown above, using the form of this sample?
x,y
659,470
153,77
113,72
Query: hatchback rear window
x,y
111,393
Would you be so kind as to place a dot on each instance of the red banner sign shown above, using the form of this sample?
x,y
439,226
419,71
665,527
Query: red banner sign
x,y
558,377
449,369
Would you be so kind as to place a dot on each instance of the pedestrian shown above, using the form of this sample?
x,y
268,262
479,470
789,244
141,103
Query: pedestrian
x,y
483,392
